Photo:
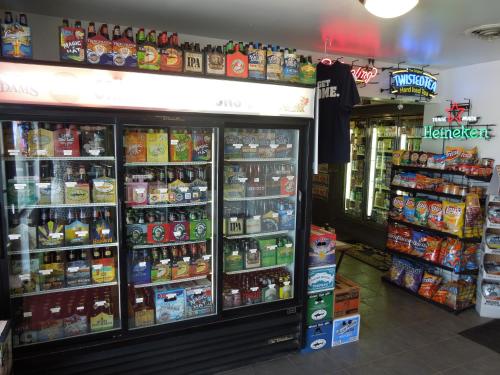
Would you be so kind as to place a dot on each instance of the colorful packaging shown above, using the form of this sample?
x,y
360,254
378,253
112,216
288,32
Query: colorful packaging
x,y
103,190
202,145
66,142
399,238
237,65
199,301
41,142
422,159
451,253
398,204
181,145
421,211
432,251
419,243
321,247
453,217
397,271
437,161
469,259
274,64
346,330
405,158
158,233
135,147
414,157
124,53
321,279
148,56
169,304
430,285
157,147
469,157
99,50
77,273
307,73
76,233
435,219
318,336
453,156
409,209
408,179
257,63
16,41
72,44
473,216
319,307
75,193
396,157
412,278
291,67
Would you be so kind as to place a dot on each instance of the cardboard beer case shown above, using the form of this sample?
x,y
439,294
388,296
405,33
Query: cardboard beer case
x,y
72,44
319,307
321,247
320,279
318,336
346,329
16,41
99,50
124,53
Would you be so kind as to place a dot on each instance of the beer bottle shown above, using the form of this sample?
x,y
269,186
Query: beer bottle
x,y
96,254
83,255
91,30
72,256
78,24
82,175
104,30
116,32
129,33
23,20
140,37
8,18
108,253
68,177
152,38
47,258
65,23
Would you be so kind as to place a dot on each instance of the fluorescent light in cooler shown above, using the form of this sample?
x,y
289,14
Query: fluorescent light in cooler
x,y
403,141
347,192
371,184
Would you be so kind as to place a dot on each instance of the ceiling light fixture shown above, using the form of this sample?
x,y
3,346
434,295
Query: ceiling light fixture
x,y
389,8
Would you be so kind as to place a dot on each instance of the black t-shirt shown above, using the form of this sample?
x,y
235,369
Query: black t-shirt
x,y
337,95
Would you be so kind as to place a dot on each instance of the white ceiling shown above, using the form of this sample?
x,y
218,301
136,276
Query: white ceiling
x,y
432,33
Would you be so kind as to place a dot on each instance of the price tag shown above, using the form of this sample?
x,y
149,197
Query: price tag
x,y
13,152
140,190
290,177
272,247
41,152
27,314
183,189
68,152
19,186
257,217
252,251
70,184
242,179
256,179
275,178
82,233
289,212
95,152
164,261
187,196
233,219
237,145
25,276
106,231
174,142
235,291
142,264
142,176
45,272
73,269
236,253
139,300
14,236
80,308
56,235
99,303
203,188
253,145
55,310
272,286
274,215
97,266
273,145
163,190
98,184
289,145
206,257
198,291
286,283
288,245
43,185
171,296
254,288
186,259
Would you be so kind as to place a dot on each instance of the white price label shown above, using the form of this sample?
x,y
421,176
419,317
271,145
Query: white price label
x,y
289,145
203,188
288,245
73,269
235,291
98,183
198,291
27,314
286,283
45,272
272,247
242,179
254,288
174,142
97,266
186,259
233,219
164,261
68,152
236,253
140,190
206,257
139,300
253,145
253,251
142,264
13,152
25,276
56,235
19,186
14,236
163,190
274,215
80,308
99,303
183,189
272,286
43,185
257,217
274,145
95,152
106,231
289,212
237,145
41,152
256,179
55,310
82,233
275,178
290,177
70,184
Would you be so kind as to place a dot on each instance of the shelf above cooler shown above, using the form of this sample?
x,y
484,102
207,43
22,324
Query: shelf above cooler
x,y
427,192
62,205
64,248
411,168
256,269
256,160
166,244
58,158
60,290
258,198
166,205
201,277
166,163
263,234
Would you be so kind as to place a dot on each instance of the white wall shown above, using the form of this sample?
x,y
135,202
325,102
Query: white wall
x,y
479,83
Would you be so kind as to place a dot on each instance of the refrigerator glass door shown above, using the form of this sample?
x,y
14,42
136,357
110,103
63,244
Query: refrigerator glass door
x,y
60,210
260,201
384,141
410,130
355,170
170,217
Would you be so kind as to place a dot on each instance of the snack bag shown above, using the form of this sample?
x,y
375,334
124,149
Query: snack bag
x,y
433,249
399,238
422,159
451,254
396,272
469,259
396,157
473,216
469,157
435,219
412,278
441,294
453,156
419,243
405,158
430,284
398,204
421,211
414,156
396,180
447,293
408,179
409,209
437,161
453,217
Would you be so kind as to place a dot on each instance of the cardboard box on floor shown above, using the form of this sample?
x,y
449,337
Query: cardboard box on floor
x,y
347,297
346,329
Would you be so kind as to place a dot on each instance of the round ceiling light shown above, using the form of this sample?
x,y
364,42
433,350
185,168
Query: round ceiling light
x,y
389,8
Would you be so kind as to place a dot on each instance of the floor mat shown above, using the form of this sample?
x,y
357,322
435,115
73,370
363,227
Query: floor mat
x,y
487,334
371,256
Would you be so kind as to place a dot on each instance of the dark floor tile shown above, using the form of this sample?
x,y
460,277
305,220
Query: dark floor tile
x,y
247,370
406,363
356,353
367,370
322,362
280,365
489,365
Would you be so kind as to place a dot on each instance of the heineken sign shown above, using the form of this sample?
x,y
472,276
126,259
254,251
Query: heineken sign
x,y
455,125
415,82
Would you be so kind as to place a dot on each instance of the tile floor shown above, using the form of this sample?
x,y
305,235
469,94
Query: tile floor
x,y
399,335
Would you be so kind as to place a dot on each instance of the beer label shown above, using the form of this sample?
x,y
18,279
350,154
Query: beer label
x,y
77,193
144,317
257,64
216,63
157,147
101,322
171,60
124,53
193,62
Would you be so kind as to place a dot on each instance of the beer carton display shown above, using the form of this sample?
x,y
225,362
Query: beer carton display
x,y
347,297
181,268
66,142
237,65
158,233
318,336
320,279
199,229
178,231
171,59
72,44
41,142
319,307
103,190
51,328
50,235
51,276
346,330
16,41
181,145
267,249
124,53
170,304
157,192
285,252
202,145
321,247
135,147
77,273
157,147
141,272
5,348
76,193
24,276
161,271
199,300
22,190
201,266
257,63
99,50
136,234
148,57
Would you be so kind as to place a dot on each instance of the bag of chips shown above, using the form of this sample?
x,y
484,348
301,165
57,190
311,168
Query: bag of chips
x,y
409,209
421,211
430,284
473,217
469,156
453,217
447,294
405,158
397,271
433,249
470,257
412,278
451,253
408,179
398,204
437,161
435,219
396,157
453,156
399,238
419,243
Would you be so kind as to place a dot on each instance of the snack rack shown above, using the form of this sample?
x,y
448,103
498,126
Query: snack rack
x,y
450,272
488,284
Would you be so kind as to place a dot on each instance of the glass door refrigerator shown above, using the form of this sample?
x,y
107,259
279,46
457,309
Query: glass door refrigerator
x,y
59,200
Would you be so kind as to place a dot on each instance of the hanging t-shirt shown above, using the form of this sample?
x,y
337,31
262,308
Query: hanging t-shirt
x,y
337,93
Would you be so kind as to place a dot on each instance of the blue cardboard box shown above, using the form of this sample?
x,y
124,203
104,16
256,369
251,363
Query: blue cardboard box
x,y
320,279
346,329
318,336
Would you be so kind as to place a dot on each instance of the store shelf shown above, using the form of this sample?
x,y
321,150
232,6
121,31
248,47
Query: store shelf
x,y
166,164
264,234
381,208
166,205
414,136
201,277
58,158
64,248
267,303
427,192
386,152
68,289
424,261
256,160
411,168
386,136
166,244
444,307
256,269
62,205
434,231
258,198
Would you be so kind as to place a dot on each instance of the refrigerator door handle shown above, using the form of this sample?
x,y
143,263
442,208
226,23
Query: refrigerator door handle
x,y
300,202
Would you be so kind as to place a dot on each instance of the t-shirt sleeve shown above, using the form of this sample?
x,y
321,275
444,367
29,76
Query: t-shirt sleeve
x,y
350,97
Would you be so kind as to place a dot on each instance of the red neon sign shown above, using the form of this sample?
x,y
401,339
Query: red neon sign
x,y
364,74
455,113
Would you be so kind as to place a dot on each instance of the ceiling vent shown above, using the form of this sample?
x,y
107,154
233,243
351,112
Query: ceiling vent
x,y
485,32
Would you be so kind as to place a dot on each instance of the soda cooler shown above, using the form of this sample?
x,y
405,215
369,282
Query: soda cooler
x,y
151,222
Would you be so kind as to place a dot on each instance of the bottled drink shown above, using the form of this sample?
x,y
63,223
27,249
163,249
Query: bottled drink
x,y
68,177
23,20
65,22
78,24
91,30
82,175
130,34
104,31
116,32
140,37
252,254
8,18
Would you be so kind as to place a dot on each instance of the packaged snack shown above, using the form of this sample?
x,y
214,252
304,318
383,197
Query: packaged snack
x,y
473,216
396,180
398,204
433,249
396,272
412,278
409,209
436,161
435,219
493,240
414,156
396,157
423,182
430,284
469,259
399,238
421,211
453,156
451,253
493,214
405,158
469,156
408,179
419,243
453,217
448,292
422,159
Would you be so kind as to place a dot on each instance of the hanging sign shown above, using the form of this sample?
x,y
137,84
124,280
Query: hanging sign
x,y
414,82
364,74
455,125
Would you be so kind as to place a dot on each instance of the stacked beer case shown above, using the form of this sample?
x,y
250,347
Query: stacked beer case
x,y
488,287
320,287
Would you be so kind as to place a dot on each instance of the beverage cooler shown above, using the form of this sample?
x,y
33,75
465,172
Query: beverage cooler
x,y
134,239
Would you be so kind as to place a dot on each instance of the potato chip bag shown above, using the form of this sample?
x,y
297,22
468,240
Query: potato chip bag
x,y
435,219
451,253
396,272
433,249
409,209
437,161
396,157
473,216
421,211
453,217
419,243
405,158
469,259
453,156
412,278
430,284
469,156
398,204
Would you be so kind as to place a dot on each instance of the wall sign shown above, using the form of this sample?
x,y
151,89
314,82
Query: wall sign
x,y
457,125
38,84
364,74
415,82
